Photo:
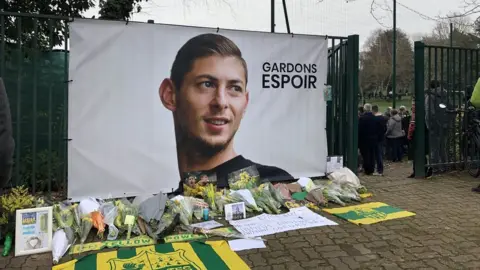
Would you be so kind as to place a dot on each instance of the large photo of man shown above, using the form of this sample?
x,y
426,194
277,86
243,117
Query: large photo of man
x,y
208,96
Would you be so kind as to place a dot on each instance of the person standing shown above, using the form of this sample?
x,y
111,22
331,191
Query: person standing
x,y
438,122
395,133
368,138
7,144
382,127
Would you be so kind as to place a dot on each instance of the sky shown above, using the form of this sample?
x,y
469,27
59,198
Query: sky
x,y
321,17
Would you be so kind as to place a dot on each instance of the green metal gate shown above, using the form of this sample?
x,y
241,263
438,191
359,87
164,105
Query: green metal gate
x,y
443,75
342,109
34,69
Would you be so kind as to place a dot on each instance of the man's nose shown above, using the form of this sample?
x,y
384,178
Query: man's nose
x,y
220,99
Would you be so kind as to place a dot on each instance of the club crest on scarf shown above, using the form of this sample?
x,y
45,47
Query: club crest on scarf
x,y
150,260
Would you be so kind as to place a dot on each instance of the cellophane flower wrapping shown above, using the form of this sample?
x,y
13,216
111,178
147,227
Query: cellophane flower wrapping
x,y
110,212
60,245
318,196
220,201
183,206
246,178
87,224
167,223
65,217
331,193
246,196
264,200
97,221
85,208
198,206
275,194
126,208
283,191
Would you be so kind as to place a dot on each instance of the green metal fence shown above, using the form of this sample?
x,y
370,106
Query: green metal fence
x,y
34,67
443,75
342,116
35,72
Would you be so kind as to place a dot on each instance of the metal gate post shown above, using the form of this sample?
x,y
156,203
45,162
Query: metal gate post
x,y
419,160
353,58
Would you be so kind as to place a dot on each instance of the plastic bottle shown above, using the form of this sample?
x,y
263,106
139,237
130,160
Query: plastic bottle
x,y
7,245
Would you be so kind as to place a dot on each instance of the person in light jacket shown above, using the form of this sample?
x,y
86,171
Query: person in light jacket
x,y
7,143
395,133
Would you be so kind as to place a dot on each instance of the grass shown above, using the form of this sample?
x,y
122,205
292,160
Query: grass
x,y
384,104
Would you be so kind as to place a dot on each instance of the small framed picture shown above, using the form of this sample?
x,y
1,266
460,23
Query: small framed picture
x,y
33,231
234,211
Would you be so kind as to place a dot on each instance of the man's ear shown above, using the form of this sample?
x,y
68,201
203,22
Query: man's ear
x,y
247,96
168,95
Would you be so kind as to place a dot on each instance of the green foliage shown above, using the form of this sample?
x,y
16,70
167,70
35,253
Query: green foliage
x,y
50,32
16,198
48,168
119,9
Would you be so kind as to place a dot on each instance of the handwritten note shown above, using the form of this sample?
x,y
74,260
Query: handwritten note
x,y
265,224
207,225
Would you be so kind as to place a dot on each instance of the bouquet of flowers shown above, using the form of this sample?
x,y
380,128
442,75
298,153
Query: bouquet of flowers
x,y
245,195
246,178
64,218
183,206
264,199
209,196
126,217
283,191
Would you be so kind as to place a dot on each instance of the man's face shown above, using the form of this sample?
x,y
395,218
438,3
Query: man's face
x,y
212,100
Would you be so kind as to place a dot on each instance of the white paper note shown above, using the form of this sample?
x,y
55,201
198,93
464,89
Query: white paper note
x,y
211,224
244,244
265,224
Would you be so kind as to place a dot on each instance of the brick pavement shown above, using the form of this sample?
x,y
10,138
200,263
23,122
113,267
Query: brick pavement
x,y
445,233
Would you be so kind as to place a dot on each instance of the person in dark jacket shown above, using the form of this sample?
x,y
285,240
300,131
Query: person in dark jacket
x,y
368,138
438,122
382,128
7,143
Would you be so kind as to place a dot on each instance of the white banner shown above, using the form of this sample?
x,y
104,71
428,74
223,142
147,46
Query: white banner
x,y
122,104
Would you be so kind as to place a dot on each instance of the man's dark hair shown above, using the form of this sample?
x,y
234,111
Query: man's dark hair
x,y
394,112
374,108
203,46
360,109
434,84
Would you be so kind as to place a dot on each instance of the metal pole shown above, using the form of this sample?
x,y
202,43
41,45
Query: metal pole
x,y
394,60
452,65
272,16
286,15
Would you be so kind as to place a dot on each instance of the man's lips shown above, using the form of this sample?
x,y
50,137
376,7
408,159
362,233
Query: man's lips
x,y
217,121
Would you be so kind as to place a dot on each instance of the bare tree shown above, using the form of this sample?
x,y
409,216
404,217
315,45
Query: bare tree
x,y
376,62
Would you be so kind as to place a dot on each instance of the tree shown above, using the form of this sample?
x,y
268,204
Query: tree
x,y
49,32
376,62
463,34
119,9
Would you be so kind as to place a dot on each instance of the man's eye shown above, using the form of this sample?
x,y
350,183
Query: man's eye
x,y
208,84
237,88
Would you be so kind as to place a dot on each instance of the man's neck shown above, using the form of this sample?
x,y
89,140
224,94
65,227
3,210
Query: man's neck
x,y
190,160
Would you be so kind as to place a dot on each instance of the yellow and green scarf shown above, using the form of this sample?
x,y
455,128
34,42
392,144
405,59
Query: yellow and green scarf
x,y
194,256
